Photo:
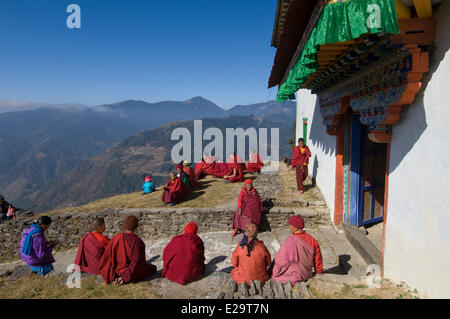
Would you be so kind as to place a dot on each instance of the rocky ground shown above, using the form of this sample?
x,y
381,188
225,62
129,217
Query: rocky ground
x,y
344,276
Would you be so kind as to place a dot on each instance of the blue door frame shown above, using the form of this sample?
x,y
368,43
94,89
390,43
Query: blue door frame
x,y
357,187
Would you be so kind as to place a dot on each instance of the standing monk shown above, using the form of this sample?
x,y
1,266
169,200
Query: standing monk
x,y
91,248
300,160
192,177
184,257
124,258
249,208
174,190
298,255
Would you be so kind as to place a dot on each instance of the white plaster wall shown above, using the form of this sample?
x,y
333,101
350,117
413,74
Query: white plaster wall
x,y
322,164
417,248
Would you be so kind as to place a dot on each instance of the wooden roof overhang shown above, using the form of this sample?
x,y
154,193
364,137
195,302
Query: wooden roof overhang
x,y
353,73
291,20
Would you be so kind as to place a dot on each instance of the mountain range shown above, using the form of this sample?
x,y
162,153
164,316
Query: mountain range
x,y
44,148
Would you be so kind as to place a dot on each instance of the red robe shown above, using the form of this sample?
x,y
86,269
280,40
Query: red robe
x,y
176,193
251,206
192,176
221,169
237,159
240,174
184,259
125,257
299,158
300,162
90,252
255,164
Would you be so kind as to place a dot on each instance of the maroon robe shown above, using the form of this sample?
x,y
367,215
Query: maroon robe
x,y
255,164
176,193
300,161
184,259
251,206
90,251
221,169
125,257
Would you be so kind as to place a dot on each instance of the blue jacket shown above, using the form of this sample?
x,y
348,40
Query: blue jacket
x,y
148,187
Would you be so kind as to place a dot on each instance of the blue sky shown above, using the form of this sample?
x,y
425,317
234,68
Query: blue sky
x,y
147,50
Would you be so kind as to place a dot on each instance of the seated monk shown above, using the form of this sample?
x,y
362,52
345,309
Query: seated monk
x,y
237,175
174,190
92,247
254,164
221,170
233,157
184,257
298,255
251,258
249,208
124,258
190,172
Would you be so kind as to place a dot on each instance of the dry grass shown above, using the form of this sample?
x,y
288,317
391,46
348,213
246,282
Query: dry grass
x,y
209,192
290,191
388,290
38,287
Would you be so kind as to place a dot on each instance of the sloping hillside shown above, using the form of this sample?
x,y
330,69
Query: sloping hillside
x,y
121,168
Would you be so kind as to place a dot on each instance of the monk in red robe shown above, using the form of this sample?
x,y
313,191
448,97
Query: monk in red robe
x,y
92,247
251,258
191,173
174,190
249,208
300,160
254,164
237,175
236,158
298,255
124,258
184,257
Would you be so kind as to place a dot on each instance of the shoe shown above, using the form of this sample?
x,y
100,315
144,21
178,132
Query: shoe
x,y
172,204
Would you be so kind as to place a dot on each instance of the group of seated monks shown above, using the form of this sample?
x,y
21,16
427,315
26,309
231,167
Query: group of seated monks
x,y
121,260
180,182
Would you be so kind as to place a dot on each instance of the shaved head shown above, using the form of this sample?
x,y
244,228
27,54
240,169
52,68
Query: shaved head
x,y
97,223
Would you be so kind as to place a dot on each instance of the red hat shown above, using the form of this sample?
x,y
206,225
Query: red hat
x,y
297,221
148,178
191,228
248,181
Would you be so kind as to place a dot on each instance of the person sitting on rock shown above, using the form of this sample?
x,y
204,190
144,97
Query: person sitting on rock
x,y
148,186
298,255
254,164
124,258
183,176
236,158
174,190
184,257
251,258
91,248
249,208
35,251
